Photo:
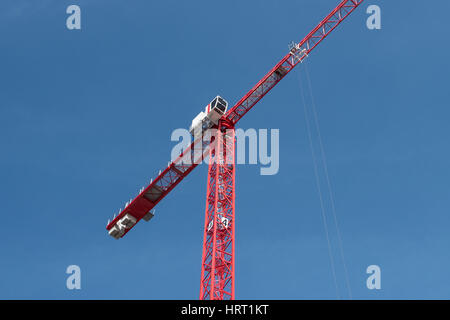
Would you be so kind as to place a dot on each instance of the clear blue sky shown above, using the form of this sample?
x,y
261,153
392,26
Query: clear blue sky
x,y
86,118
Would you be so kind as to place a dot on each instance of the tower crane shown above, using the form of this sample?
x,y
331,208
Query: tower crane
x,y
218,264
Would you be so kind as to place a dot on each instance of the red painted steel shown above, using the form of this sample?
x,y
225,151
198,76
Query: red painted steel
x,y
164,182
217,275
288,63
182,166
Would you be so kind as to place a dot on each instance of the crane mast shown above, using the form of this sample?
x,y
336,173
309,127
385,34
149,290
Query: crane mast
x,y
217,274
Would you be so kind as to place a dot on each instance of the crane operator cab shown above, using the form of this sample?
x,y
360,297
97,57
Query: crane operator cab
x,y
209,118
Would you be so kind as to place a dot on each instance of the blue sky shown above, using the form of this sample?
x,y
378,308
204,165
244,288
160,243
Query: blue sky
x,y
86,118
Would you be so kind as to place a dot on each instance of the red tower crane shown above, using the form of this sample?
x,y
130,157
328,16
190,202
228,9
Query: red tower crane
x,y
217,274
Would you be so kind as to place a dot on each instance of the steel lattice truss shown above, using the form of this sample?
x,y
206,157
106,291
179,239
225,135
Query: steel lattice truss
x,y
298,54
218,241
217,279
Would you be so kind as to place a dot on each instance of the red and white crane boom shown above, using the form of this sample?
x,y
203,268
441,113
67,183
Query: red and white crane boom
x,y
141,206
217,274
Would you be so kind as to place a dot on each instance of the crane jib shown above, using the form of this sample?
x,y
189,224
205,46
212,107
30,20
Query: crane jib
x,y
298,54
177,170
